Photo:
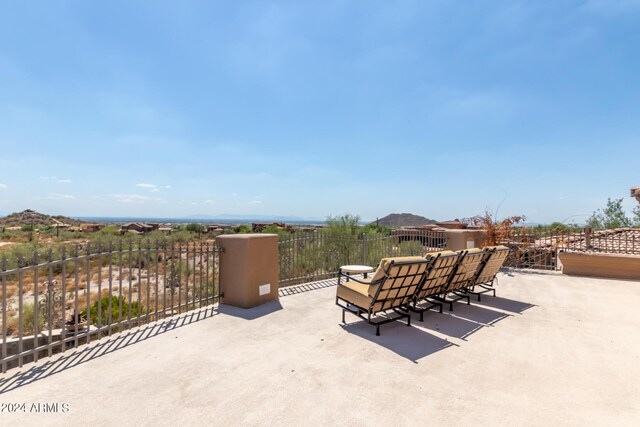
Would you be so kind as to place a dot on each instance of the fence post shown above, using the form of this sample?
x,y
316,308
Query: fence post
x,y
587,237
249,269
364,249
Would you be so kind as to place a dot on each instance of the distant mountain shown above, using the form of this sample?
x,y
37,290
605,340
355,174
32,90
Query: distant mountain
x,y
30,217
405,220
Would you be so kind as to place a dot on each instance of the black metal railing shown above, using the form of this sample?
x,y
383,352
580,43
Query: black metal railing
x,y
53,300
539,250
306,257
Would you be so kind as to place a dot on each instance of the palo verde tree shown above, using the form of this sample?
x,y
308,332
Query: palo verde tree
x,y
613,216
342,232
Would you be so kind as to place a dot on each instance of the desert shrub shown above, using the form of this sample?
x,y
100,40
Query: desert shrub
x,y
194,228
109,230
115,310
411,248
497,230
244,229
274,229
373,229
29,320
28,227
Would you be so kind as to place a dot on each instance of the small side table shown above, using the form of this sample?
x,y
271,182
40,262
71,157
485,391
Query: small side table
x,y
355,269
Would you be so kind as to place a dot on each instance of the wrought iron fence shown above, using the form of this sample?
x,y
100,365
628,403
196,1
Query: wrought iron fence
x,y
52,301
539,250
306,257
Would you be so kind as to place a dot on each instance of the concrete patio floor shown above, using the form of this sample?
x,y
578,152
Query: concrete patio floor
x,y
550,350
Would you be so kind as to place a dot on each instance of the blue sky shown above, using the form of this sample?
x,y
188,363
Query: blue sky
x,y
439,108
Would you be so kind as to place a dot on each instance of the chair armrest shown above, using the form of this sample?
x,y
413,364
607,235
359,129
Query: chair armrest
x,y
349,277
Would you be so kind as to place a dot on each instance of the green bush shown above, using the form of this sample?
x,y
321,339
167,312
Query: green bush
x,y
244,229
115,310
274,229
29,321
613,216
109,230
194,228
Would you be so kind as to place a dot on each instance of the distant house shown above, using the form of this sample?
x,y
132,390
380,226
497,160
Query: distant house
x,y
166,228
217,228
61,225
137,228
257,227
91,228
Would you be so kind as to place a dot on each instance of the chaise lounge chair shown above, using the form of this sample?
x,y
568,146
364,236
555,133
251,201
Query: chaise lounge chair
x,y
385,296
486,277
463,277
442,265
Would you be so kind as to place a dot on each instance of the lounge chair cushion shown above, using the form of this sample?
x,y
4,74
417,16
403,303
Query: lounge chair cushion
x,y
384,264
362,294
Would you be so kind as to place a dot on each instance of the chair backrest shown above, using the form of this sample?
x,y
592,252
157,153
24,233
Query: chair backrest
x,y
467,269
496,256
439,273
396,281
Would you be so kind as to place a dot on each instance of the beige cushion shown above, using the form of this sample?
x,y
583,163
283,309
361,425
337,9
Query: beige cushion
x,y
438,277
493,264
394,293
469,266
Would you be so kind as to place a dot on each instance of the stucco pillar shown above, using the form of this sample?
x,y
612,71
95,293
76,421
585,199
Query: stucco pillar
x,y
465,239
249,269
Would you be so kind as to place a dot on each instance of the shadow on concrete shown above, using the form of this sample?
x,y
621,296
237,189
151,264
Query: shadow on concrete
x,y
477,314
448,324
18,377
409,342
503,304
250,313
306,287
517,271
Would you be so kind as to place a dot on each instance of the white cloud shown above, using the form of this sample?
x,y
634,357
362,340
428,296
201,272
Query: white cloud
x,y
149,186
135,198
152,187
56,179
59,196
209,202
2,186
255,202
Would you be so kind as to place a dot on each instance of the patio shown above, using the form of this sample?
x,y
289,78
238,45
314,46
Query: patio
x,y
550,349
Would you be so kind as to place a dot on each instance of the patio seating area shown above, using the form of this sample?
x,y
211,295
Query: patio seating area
x,y
548,350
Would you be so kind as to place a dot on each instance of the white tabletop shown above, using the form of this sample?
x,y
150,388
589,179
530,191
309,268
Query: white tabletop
x,y
356,269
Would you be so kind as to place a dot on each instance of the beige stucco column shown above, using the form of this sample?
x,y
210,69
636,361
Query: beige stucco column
x,y
465,239
249,269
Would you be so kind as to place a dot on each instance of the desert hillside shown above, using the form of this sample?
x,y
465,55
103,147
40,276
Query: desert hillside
x,y
29,217
404,220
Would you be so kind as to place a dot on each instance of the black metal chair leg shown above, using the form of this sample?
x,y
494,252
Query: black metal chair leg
x,y
343,321
409,320
377,330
